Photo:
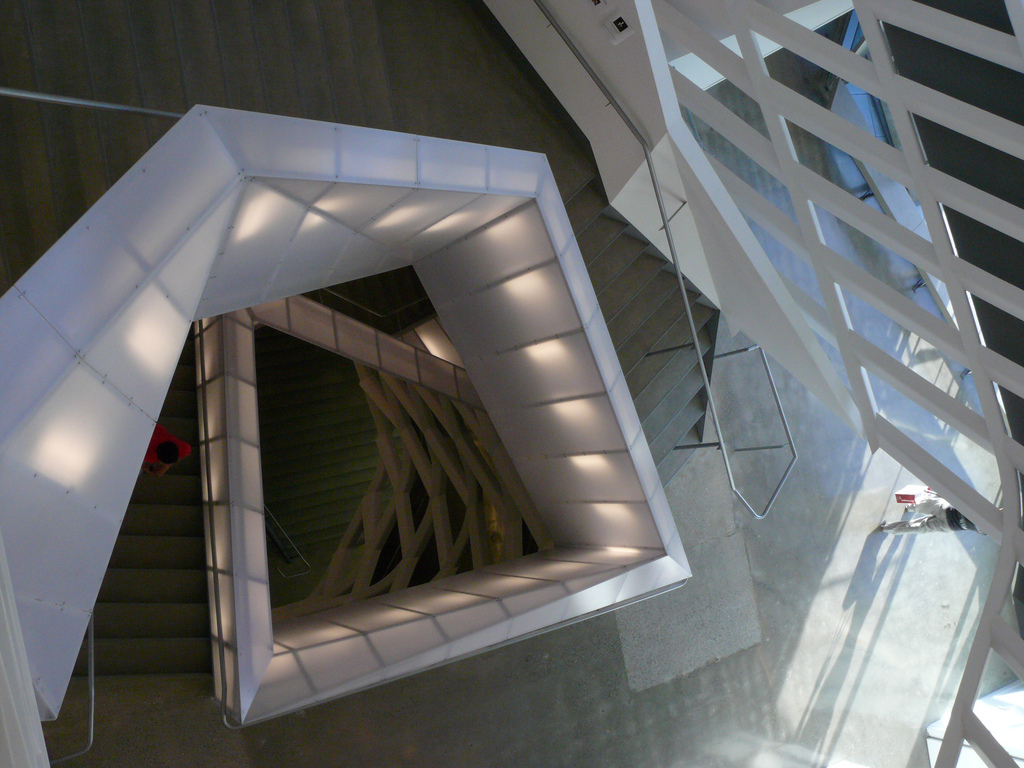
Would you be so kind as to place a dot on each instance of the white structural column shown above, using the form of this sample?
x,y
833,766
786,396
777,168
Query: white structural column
x,y
236,547
21,734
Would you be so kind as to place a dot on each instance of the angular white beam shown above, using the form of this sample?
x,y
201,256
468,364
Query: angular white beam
x,y
312,322
22,741
750,290
954,31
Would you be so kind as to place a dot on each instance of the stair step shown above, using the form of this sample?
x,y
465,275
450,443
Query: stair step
x,y
585,206
180,403
665,411
319,401
317,489
627,284
633,315
320,431
665,327
314,510
598,235
170,552
294,511
285,385
154,585
184,490
186,429
162,520
152,614
287,364
151,620
286,451
351,473
610,263
681,424
674,461
184,378
189,466
648,390
286,454
282,354
149,656
647,369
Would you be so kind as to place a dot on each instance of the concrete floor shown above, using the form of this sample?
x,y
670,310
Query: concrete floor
x,y
859,640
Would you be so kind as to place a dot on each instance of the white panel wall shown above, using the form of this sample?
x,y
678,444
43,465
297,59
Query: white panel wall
x,y
90,338
232,209
22,743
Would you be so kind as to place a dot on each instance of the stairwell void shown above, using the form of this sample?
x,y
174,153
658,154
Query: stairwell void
x,y
373,484
235,210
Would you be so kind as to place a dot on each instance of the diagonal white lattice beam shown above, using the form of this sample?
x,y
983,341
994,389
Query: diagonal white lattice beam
x,y
959,341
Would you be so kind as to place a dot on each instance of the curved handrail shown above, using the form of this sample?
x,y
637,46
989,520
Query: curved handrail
x,y
92,698
646,146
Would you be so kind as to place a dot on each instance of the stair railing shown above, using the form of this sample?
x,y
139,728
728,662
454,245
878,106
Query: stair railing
x,y
646,147
92,697
275,531
785,425
380,315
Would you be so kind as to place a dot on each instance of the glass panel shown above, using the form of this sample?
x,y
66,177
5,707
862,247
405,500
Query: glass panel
x,y
378,156
451,163
740,163
514,172
881,263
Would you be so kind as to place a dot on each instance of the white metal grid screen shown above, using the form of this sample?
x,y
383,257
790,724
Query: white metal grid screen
x,y
754,24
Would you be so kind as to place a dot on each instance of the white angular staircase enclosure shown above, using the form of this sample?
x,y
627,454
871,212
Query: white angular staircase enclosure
x,y
231,210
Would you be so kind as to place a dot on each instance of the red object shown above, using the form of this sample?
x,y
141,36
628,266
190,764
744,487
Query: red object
x,y
911,493
161,435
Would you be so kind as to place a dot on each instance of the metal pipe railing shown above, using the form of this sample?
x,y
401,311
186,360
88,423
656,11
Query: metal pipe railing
x,y
645,145
272,534
92,696
364,308
73,101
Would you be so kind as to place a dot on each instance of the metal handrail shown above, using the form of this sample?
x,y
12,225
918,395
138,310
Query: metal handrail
x,y
785,425
211,524
384,316
92,697
267,512
646,147
74,101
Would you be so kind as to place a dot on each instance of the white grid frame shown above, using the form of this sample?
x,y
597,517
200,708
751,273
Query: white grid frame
x,y
834,274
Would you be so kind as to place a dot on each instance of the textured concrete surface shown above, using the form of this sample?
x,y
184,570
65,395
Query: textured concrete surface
x,y
715,614
712,617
